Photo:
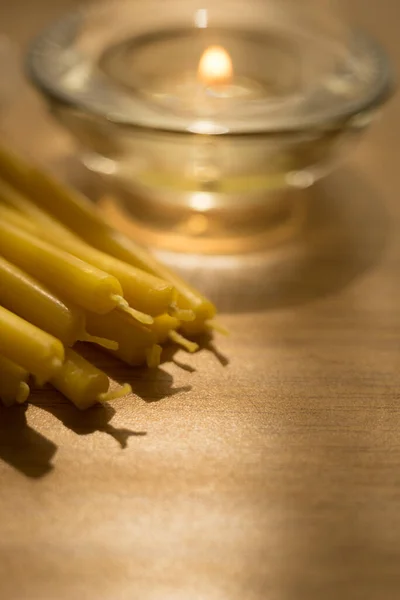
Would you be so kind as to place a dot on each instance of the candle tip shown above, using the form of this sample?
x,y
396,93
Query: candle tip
x,y
182,314
115,394
122,304
23,393
214,325
103,342
153,356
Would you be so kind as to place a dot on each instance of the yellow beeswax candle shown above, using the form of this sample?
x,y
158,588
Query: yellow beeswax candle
x,y
165,328
31,300
77,212
10,196
153,356
83,384
189,298
162,327
33,349
14,388
145,293
133,339
72,278
12,214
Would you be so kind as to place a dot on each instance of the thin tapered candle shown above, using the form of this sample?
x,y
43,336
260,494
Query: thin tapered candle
x,y
81,283
77,212
165,328
83,383
144,292
28,346
134,340
34,302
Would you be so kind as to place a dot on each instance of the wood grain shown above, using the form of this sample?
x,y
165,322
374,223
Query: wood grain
x,y
267,467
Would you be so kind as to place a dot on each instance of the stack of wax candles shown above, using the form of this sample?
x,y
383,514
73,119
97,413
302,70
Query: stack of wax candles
x,y
67,276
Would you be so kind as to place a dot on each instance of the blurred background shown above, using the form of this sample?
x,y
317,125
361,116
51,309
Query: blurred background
x,y
277,476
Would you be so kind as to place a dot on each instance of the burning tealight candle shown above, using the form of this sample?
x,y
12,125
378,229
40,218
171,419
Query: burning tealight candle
x,y
231,104
215,67
216,75
210,90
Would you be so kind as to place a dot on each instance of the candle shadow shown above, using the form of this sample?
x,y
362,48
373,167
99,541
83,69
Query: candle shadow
x,y
95,419
178,363
154,385
169,356
205,342
342,234
22,447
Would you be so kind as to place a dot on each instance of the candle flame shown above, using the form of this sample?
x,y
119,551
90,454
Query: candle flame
x,y
215,67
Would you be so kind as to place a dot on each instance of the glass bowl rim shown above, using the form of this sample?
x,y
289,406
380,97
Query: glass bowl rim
x,y
57,97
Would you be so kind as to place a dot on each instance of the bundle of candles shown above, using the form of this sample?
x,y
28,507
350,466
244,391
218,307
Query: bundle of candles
x,y
67,276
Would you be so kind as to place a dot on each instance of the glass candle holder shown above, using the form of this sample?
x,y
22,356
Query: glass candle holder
x,y
205,121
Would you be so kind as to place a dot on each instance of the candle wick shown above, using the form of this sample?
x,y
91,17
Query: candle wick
x,y
122,304
103,342
115,394
181,313
214,325
177,338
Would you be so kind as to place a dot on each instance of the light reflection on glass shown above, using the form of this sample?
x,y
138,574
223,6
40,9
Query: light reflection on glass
x,y
201,201
201,18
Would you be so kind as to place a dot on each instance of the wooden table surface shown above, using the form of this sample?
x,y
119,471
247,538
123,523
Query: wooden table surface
x,y
268,469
